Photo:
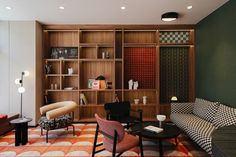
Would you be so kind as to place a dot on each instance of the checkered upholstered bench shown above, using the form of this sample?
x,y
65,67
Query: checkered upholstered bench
x,y
201,118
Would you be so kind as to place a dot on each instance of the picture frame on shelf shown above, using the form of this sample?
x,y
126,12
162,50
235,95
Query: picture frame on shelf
x,y
90,83
64,52
96,84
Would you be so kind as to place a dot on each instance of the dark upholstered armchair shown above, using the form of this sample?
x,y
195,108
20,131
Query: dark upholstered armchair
x,y
122,112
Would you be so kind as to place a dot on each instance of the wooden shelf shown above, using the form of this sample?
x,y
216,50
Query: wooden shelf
x,y
53,75
61,90
140,45
68,75
96,44
97,90
139,90
97,60
143,105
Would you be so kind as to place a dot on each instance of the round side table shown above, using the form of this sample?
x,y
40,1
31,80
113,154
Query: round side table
x,y
21,133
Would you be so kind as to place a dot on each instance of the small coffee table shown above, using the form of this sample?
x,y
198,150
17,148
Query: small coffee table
x,y
21,133
170,131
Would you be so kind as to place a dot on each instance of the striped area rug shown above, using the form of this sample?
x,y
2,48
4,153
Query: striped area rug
x,y
63,143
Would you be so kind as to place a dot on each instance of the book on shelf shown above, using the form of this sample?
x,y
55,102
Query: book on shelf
x,y
153,129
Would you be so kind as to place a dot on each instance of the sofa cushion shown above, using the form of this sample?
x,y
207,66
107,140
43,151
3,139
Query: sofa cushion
x,y
211,111
184,121
200,108
225,116
200,131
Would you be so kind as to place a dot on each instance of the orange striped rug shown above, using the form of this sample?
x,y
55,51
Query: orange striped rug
x,y
63,143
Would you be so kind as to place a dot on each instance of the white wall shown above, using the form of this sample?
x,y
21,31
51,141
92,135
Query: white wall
x,y
4,67
19,57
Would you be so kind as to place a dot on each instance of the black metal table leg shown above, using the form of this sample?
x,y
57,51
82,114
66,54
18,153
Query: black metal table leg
x,y
160,148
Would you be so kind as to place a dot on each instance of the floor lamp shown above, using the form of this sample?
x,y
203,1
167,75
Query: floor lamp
x,y
21,89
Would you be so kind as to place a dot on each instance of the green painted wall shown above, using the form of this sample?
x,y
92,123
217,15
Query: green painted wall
x,y
216,55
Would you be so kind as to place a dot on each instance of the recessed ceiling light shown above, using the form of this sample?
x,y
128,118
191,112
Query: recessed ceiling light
x,y
61,7
189,7
123,7
8,8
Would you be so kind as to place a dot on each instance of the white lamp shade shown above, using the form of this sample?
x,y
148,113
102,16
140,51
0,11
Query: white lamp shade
x,y
17,81
21,89
174,98
26,73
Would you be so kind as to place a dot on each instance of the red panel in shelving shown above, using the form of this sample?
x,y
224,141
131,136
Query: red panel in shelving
x,y
140,65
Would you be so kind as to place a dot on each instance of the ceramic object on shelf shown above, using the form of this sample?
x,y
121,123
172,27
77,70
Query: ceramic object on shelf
x,y
136,101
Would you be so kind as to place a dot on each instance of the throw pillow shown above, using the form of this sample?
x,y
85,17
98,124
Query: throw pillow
x,y
200,107
211,111
225,116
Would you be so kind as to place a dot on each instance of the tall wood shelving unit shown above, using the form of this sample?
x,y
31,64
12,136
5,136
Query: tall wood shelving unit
x,y
134,53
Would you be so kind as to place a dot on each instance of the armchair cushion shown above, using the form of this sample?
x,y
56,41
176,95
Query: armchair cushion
x,y
60,122
123,145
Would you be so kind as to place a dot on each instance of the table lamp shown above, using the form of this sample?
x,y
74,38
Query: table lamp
x,y
21,89
174,99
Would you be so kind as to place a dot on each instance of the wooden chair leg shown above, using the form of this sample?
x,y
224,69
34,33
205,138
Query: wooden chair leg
x,y
73,130
41,131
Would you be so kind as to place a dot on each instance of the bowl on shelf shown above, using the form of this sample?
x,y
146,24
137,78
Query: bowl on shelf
x,y
136,101
68,88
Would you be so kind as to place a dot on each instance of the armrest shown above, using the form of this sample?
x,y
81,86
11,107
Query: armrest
x,y
58,109
182,108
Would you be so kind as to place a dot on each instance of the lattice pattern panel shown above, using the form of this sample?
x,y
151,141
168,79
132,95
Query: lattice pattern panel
x,y
174,73
140,65
174,37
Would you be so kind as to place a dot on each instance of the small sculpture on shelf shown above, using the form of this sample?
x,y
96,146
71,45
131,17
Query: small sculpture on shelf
x,y
70,71
116,98
107,55
144,100
130,84
135,85
48,68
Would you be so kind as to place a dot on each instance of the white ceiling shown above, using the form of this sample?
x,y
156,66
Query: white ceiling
x,y
106,11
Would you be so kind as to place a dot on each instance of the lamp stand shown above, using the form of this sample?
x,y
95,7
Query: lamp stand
x,y
21,95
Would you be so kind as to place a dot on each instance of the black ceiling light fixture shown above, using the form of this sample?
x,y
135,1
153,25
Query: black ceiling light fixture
x,y
169,16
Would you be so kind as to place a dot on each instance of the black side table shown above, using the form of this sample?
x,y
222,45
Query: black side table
x,y
170,131
21,133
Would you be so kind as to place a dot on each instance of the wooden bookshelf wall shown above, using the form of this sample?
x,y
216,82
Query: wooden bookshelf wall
x,y
134,53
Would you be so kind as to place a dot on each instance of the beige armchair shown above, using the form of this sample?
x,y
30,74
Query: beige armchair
x,y
57,115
